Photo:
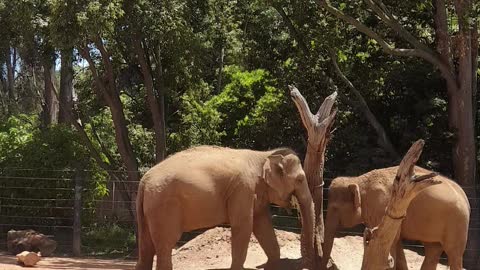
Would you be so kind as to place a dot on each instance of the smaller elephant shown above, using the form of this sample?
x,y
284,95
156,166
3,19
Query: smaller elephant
x,y
207,186
363,199
30,240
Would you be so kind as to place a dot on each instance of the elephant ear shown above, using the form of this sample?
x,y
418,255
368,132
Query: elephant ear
x,y
273,172
355,190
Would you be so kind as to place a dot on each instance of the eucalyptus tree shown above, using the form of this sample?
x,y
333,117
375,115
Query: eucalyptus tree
x,y
448,39
89,27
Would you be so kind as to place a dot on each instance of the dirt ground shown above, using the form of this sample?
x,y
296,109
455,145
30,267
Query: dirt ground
x,y
211,251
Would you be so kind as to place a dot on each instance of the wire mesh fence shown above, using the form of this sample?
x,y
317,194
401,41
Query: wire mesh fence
x,y
45,201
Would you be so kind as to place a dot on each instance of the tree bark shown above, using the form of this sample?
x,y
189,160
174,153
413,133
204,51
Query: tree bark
x,y
161,89
383,139
378,241
66,85
106,89
318,127
461,115
153,104
3,79
50,106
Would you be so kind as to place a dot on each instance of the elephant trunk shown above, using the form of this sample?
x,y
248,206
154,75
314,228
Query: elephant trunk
x,y
331,226
308,222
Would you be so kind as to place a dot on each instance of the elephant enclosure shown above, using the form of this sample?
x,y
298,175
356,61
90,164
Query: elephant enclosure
x,y
211,250
46,204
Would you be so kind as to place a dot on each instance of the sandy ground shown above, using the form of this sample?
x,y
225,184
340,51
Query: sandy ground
x,y
211,251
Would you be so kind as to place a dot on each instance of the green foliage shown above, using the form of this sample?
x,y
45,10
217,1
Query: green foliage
x,y
239,116
108,240
200,122
39,165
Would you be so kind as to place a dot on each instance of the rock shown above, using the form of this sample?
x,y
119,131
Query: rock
x,y
30,240
27,258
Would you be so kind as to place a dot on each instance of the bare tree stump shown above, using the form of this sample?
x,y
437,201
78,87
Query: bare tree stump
x,y
407,185
27,258
318,127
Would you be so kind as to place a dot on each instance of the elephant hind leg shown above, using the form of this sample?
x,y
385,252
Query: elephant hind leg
x,y
166,231
455,258
433,251
146,249
455,243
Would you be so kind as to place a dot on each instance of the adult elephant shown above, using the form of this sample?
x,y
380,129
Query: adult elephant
x,y
438,216
207,186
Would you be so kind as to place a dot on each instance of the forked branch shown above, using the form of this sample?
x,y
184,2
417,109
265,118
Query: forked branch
x,y
316,124
319,133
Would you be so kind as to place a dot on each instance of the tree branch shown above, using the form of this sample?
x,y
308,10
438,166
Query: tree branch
x,y
393,23
302,107
85,53
102,146
388,48
292,28
325,109
362,105
107,62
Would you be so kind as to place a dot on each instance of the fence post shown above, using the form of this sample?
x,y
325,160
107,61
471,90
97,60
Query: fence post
x,y
77,210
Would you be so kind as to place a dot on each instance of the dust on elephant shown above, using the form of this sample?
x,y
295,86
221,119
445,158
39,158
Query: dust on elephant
x,y
207,186
438,216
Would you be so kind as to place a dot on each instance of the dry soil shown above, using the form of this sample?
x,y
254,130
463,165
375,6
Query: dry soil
x,y
211,250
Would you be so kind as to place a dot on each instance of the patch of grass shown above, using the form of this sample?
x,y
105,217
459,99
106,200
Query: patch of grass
x,y
110,240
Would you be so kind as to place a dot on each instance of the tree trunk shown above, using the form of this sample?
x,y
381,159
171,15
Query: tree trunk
x,y
220,70
159,83
50,100
106,89
153,104
318,127
378,241
461,114
10,80
463,153
66,85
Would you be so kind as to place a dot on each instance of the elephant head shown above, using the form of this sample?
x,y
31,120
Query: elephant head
x,y
344,211
285,177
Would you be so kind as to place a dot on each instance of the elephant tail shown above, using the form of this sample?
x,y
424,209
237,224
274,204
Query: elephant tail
x,y
146,249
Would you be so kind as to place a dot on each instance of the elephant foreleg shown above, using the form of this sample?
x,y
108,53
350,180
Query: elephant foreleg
x,y
240,214
263,231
